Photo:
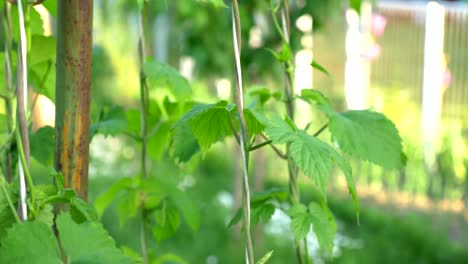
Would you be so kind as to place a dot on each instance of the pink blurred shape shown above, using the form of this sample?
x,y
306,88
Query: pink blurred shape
x,y
379,23
372,53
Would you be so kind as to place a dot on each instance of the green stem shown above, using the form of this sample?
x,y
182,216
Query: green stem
x,y
260,145
320,130
10,204
244,136
27,174
285,32
144,104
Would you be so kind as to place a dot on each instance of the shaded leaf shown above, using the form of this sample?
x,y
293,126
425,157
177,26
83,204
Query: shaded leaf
x,y
88,242
105,199
158,142
167,222
184,144
113,123
30,243
42,144
211,126
81,211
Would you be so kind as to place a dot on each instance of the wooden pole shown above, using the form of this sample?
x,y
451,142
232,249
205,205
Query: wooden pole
x,y
73,86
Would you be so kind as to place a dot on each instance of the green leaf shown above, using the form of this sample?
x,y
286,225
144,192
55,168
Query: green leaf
x,y
135,256
51,6
160,74
7,219
263,94
280,131
42,144
81,211
189,210
105,199
285,55
319,67
197,110
369,136
113,123
184,143
158,142
316,159
265,258
59,180
324,226
88,242
133,121
300,221
30,243
262,212
254,126
356,5
316,97
211,126
236,218
127,205
45,215
215,3
167,222
45,47
35,22
42,78
171,258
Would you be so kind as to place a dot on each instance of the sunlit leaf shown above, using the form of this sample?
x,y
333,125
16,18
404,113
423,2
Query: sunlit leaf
x,y
324,226
216,3
369,136
160,74
319,67
265,258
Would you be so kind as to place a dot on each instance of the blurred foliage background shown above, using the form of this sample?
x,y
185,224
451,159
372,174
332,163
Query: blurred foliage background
x,y
400,222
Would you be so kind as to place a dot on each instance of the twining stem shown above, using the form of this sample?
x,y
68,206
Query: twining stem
x,y
144,98
244,137
24,163
9,86
285,31
144,104
22,137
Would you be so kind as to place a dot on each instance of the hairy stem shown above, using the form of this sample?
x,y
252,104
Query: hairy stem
x,y
244,136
